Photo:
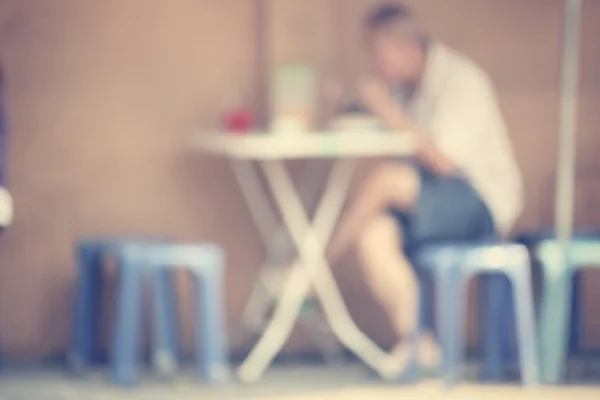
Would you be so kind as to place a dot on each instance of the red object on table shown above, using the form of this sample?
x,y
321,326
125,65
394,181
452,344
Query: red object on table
x,y
238,120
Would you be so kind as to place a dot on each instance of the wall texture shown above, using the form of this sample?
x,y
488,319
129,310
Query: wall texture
x,y
101,94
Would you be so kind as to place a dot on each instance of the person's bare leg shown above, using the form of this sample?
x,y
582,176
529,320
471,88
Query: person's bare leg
x,y
389,185
430,355
388,273
392,185
391,279
394,284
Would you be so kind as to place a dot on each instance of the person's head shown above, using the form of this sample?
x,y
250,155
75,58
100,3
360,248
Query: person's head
x,y
396,43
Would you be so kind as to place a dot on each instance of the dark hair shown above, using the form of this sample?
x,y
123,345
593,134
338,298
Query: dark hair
x,y
388,15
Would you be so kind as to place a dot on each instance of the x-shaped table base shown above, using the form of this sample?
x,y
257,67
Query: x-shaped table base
x,y
280,252
311,269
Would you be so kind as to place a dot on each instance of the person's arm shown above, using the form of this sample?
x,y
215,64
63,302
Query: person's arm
x,y
427,152
378,99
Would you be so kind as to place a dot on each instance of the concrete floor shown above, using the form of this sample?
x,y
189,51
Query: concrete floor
x,y
282,383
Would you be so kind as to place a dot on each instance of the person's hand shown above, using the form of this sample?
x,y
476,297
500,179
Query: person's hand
x,y
377,98
375,95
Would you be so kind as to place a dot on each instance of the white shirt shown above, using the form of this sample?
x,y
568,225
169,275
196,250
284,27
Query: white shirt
x,y
457,104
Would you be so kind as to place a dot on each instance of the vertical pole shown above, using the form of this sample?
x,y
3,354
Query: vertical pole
x,y
565,187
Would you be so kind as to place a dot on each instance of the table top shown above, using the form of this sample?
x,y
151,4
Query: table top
x,y
269,146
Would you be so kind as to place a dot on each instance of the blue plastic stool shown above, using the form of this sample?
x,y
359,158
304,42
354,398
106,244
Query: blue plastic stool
x,y
206,263
533,240
452,266
497,324
561,262
91,256
497,318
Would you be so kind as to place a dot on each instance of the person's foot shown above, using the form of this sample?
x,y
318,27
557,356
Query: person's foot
x,y
401,365
430,355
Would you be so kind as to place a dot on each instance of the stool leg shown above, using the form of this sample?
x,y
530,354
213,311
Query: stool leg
x,y
126,346
165,357
495,289
442,318
450,322
457,335
426,309
211,343
510,345
87,307
523,304
509,332
576,326
553,329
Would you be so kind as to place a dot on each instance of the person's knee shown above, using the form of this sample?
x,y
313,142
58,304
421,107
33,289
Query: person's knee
x,y
396,184
380,235
382,262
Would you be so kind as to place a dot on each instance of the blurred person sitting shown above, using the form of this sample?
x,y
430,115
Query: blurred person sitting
x,y
464,183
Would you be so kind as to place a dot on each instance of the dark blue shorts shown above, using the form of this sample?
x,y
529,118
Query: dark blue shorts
x,y
448,210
